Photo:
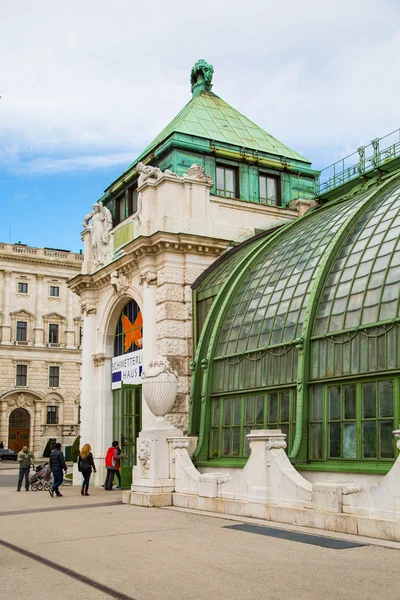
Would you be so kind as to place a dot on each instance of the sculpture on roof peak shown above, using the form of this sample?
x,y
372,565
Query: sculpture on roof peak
x,y
201,76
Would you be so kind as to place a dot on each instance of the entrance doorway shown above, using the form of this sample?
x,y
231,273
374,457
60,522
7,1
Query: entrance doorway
x,y
127,423
19,429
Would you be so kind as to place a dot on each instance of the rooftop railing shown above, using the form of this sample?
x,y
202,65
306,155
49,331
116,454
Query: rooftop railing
x,y
367,158
40,253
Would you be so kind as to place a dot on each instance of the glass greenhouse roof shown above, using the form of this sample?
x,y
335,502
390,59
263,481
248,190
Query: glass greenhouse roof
x,y
268,308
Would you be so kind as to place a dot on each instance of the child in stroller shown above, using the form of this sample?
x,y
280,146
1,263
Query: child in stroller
x,y
40,478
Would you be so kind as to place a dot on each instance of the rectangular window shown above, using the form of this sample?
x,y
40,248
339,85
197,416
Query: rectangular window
x,y
54,377
22,287
54,291
121,208
21,331
52,415
22,374
269,190
53,333
352,421
227,182
232,419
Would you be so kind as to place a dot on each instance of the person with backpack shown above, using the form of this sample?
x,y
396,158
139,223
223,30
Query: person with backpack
x,y
57,466
85,466
113,461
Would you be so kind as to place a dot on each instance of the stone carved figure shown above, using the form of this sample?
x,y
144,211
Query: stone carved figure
x,y
144,454
119,282
99,229
19,401
196,173
149,172
202,72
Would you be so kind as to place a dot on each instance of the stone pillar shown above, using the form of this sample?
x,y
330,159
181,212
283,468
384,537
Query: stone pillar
x,y
87,252
103,415
6,324
70,331
88,397
37,426
3,423
149,281
39,329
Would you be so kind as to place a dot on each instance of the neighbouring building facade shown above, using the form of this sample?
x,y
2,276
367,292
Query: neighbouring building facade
x,y
40,347
209,180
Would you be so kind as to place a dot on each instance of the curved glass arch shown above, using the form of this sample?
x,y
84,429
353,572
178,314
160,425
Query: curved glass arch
x,y
363,285
269,306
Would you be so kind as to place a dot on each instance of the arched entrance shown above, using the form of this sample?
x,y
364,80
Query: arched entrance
x,y
19,429
126,385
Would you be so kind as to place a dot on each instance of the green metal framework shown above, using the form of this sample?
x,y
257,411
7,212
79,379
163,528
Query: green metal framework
x,y
282,321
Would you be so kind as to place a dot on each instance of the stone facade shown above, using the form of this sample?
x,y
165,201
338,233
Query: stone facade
x,y
175,241
40,336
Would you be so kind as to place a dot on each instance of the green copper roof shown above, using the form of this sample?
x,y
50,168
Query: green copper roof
x,y
208,116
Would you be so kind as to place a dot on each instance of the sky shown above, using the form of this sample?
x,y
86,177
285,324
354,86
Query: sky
x,y
85,86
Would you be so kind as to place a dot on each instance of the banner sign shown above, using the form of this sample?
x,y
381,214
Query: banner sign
x,y
127,369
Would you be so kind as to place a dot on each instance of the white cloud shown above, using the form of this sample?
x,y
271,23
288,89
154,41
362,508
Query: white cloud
x,y
89,84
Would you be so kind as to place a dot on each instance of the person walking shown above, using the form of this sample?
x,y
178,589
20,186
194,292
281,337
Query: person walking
x,y
113,460
118,468
85,466
57,466
25,459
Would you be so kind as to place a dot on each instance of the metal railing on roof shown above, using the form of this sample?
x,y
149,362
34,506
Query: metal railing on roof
x,y
365,159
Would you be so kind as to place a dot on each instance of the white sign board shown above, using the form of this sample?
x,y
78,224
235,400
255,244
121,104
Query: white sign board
x,y
127,369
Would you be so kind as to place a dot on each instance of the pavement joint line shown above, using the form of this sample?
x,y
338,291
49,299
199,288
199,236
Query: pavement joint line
x,y
58,508
367,541
96,537
66,571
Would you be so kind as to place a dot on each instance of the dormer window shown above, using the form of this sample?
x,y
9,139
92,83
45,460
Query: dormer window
x,y
227,182
269,190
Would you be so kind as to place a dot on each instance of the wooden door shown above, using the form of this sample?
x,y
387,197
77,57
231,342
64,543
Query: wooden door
x,y
19,429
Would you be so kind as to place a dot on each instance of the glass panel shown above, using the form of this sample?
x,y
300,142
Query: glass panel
x,y
349,397
236,441
237,411
386,407
214,446
349,440
316,441
230,180
263,188
285,406
227,412
220,179
369,400
226,442
260,410
369,439
216,411
272,192
334,440
273,408
334,402
386,439
317,403
249,411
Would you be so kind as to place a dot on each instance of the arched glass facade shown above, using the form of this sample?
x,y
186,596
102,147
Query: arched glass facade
x,y
303,334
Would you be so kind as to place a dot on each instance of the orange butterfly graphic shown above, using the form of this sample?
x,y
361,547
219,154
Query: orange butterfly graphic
x,y
133,333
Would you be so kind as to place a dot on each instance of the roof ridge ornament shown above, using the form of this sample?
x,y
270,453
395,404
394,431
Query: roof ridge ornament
x,y
201,77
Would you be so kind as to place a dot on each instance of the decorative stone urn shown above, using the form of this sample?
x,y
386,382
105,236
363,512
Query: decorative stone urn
x,y
396,434
159,385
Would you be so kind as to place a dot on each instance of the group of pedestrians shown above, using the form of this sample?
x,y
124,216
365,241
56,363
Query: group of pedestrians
x,y
85,466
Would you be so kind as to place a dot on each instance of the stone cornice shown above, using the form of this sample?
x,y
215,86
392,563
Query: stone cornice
x,y
149,245
46,256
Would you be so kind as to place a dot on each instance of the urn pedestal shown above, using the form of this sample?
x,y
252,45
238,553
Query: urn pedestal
x,y
152,484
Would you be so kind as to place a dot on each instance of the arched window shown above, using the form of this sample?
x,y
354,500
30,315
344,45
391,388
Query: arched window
x,y
128,334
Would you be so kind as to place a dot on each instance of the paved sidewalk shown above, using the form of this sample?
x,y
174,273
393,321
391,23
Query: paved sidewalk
x,y
149,554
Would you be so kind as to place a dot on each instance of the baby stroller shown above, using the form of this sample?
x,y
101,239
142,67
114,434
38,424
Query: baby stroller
x,y
40,478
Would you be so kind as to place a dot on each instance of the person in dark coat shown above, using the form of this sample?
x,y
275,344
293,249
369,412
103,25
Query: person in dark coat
x,y
57,466
85,466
